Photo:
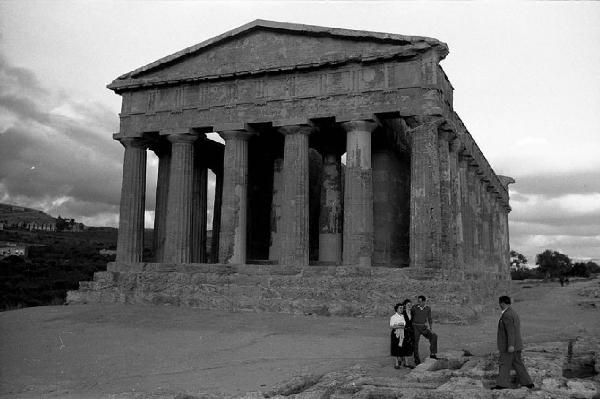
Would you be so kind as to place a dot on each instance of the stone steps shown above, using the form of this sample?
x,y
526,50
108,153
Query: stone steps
x,y
323,290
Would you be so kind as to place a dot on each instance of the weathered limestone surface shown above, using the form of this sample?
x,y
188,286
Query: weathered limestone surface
x,y
416,190
276,211
162,195
178,245
323,290
235,190
133,192
446,234
331,215
199,207
425,209
295,242
358,194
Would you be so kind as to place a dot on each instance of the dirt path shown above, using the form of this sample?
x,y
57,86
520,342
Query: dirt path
x,y
92,351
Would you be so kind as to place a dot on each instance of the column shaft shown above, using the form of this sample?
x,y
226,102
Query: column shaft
x,y
199,208
233,234
358,194
216,224
178,246
425,212
276,210
130,241
295,215
446,236
330,217
456,205
464,237
162,191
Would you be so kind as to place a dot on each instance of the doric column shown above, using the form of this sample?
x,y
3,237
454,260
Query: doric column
x,y
473,243
178,246
163,152
232,246
465,227
130,241
358,194
479,218
216,224
506,242
447,235
330,217
199,206
294,243
425,212
456,205
276,210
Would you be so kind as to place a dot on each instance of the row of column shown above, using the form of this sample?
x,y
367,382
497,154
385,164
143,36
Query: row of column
x,y
456,220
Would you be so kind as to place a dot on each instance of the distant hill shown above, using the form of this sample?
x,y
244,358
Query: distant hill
x,y
14,214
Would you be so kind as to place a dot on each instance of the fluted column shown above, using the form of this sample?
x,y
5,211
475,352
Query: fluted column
x,y
506,242
472,245
479,237
295,217
330,217
276,210
130,241
199,206
163,152
232,246
216,224
358,194
178,246
465,227
446,236
456,205
425,212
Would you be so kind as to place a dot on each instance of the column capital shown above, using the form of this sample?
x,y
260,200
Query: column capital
x,y
364,125
134,142
239,134
445,135
455,145
295,129
181,138
160,148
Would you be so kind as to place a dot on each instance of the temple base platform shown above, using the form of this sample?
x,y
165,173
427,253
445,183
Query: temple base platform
x,y
309,290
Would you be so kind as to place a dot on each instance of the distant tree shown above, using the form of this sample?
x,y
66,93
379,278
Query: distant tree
x,y
517,260
553,263
579,269
593,267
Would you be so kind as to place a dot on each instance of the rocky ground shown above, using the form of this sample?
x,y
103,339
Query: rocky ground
x,y
132,352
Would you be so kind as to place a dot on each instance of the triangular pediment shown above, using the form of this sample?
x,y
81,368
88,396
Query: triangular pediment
x,y
264,46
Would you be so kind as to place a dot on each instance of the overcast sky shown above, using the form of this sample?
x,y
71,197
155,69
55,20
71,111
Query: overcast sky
x,y
526,78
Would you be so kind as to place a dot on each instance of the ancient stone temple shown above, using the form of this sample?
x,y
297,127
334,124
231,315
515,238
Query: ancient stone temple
x,y
345,181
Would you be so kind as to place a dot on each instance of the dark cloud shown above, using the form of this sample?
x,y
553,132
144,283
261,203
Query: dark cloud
x,y
56,153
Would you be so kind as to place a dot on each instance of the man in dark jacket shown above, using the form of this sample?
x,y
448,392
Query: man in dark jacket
x,y
510,346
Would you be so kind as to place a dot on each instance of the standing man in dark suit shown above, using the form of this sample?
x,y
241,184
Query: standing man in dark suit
x,y
421,316
510,346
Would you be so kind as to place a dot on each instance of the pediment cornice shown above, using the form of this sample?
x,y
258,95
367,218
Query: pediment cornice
x,y
376,46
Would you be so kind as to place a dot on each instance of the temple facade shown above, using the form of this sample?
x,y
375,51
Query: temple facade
x,y
341,147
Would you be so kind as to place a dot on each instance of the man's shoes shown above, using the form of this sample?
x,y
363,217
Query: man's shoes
x,y
397,367
433,356
498,387
530,386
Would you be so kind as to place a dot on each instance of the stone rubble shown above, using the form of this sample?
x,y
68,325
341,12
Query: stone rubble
x,y
455,375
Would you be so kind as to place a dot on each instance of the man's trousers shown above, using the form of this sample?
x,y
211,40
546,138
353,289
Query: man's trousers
x,y
510,361
421,329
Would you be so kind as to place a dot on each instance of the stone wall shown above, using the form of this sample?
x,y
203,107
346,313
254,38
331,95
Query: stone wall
x,y
322,290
